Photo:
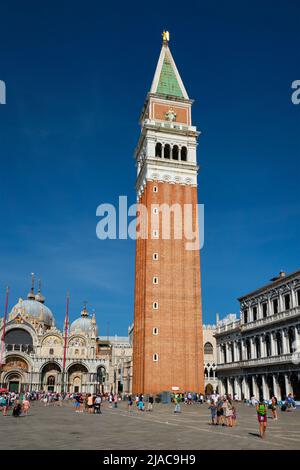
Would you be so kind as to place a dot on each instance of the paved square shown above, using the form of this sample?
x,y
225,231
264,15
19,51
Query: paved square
x,y
55,427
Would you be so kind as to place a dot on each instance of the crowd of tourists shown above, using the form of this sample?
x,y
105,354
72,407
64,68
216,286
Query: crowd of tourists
x,y
15,404
222,408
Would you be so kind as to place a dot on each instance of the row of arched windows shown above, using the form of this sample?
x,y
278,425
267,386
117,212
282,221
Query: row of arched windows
x,y
174,152
272,349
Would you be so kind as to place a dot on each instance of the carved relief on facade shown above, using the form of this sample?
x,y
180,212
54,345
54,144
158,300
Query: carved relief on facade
x,y
77,341
52,341
13,363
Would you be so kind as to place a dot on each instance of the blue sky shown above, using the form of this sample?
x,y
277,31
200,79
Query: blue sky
x,y
77,75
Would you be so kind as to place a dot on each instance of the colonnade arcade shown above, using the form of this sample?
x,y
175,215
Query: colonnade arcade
x,y
261,385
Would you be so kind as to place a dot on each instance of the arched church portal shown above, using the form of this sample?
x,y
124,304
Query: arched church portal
x,y
14,374
77,378
51,377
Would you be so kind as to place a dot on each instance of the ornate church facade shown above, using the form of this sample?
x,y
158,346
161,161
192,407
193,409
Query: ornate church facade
x,y
32,353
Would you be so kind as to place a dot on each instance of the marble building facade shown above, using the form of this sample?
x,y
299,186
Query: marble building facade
x,y
259,353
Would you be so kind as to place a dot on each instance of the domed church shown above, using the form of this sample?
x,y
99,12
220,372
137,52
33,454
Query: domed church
x,y
35,355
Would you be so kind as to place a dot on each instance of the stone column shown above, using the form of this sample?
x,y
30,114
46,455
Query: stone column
x,y
222,357
230,387
246,388
280,303
274,350
221,387
288,385
297,337
255,387
244,350
236,351
228,352
236,387
263,352
269,307
252,348
258,314
218,354
265,388
250,315
276,387
285,341
293,299
240,387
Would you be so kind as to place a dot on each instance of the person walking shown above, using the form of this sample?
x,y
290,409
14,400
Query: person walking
x,y
177,408
5,404
213,412
115,400
130,403
141,406
97,404
227,407
150,403
220,412
17,409
90,403
261,409
26,406
274,408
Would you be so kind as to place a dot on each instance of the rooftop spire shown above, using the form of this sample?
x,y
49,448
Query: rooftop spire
x,y
31,295
39,296
84,312
167,80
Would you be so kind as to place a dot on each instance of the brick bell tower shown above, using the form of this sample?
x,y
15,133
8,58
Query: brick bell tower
x,y
167,339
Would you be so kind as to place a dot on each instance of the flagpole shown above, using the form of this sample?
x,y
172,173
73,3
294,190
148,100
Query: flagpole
x,y
4,327
65,343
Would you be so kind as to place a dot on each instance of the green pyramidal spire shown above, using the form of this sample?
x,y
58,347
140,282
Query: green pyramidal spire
x,y
168,84
167,80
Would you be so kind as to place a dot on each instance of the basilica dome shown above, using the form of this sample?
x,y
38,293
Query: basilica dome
x,y
35,309
85,324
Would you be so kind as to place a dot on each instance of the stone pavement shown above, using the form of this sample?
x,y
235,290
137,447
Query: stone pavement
x,y
55,427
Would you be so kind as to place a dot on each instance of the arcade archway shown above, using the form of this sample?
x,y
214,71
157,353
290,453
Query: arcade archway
x,y
15,374
51,377
77,378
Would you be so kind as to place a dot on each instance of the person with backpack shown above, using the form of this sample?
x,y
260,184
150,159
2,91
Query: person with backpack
x,y
177,404
261,409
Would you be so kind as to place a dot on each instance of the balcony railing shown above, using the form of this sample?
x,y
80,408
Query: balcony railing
x,y
262,361
228,326
170,125
274,318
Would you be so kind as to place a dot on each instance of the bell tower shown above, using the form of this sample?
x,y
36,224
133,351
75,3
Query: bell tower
x,y
167,341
